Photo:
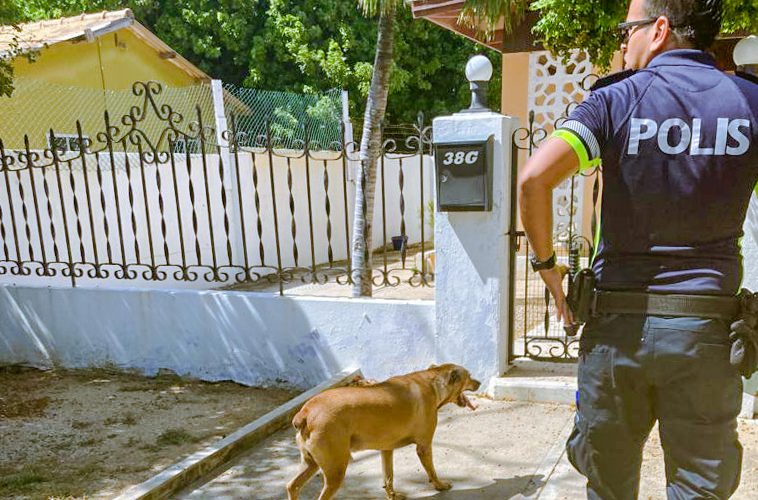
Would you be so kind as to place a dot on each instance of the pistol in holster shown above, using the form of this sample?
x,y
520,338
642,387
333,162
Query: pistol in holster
x,y
581,298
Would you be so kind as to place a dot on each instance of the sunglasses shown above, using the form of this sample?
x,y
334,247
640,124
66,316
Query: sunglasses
x,y
626,29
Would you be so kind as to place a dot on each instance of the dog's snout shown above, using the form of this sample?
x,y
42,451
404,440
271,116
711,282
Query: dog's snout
x,y
475,384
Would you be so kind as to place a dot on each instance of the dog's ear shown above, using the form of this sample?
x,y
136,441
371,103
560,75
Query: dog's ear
x,y
432,366
456,375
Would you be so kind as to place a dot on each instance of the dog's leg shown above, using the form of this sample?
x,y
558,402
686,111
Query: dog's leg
x,y
424,452
307,470
334,468
389,477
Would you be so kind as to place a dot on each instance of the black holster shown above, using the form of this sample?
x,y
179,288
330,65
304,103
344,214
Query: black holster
x,y
581,295
744,335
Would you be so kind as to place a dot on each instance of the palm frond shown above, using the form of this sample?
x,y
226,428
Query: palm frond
x,y
371,8
484,16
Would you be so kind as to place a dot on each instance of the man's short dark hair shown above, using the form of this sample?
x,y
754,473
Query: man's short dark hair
x,y
696,22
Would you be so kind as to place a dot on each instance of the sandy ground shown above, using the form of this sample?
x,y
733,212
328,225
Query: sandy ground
x,y
492,453
504,450
93,433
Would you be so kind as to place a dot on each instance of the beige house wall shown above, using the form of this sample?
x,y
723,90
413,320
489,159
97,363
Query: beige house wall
x,y
515,95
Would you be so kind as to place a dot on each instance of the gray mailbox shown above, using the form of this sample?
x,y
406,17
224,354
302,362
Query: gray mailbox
x,y
464,175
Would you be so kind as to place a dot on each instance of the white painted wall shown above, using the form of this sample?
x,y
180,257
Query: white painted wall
x,y
178,213
251,338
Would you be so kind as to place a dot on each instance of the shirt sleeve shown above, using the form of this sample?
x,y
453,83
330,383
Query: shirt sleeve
x,y
585,130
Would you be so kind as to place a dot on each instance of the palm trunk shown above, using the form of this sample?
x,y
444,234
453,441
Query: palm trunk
x,y
371,149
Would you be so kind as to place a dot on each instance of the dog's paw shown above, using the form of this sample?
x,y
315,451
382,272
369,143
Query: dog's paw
x,y
395,496
443,485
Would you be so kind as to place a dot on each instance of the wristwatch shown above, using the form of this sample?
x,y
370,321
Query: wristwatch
x,y
542,265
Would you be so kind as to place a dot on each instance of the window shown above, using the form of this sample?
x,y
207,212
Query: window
x,y
183,145
67,143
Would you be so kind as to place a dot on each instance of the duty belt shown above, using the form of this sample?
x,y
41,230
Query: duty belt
x,y
704,306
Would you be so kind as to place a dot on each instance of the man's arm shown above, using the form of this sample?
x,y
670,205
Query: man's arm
x,y
552,163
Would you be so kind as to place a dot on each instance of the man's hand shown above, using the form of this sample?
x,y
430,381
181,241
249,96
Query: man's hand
x,y
553,279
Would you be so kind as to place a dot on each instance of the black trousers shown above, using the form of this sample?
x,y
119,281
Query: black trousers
x,y
634,370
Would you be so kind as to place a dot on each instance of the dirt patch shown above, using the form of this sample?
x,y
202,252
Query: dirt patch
x,y
94,433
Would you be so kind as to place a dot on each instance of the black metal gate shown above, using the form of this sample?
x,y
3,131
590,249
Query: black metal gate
x,y
533,332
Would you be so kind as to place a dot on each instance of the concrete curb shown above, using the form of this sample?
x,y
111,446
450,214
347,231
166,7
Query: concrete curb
x,y
560,476
194,467
562,390
533,389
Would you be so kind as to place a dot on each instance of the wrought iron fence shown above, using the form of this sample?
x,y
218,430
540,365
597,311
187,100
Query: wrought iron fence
x,y
534,334
170,204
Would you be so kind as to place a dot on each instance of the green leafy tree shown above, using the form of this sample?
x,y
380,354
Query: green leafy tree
x,y
9,15
302,46
332,45
583,24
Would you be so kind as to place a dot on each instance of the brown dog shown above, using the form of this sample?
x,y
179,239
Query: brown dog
x,y
383,416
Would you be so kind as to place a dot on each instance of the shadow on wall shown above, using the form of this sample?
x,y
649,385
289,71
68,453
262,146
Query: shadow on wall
x,y
212,336
469,234
251,338
24,336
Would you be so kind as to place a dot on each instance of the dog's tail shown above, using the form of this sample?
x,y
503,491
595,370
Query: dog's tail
x,y
300,422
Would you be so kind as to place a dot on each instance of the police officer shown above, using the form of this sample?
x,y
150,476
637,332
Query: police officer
x,y
676,138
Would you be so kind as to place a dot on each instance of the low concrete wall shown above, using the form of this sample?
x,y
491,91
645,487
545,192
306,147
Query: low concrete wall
x,y
251,338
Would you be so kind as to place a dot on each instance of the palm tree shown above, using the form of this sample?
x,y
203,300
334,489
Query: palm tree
x,y
371,142
484,15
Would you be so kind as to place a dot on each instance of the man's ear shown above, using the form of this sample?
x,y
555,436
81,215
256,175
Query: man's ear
x,y
663,32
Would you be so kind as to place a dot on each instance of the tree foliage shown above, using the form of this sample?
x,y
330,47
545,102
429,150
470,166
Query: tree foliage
x,y
9,15
587,24
583,24
591,24
311,45
303,46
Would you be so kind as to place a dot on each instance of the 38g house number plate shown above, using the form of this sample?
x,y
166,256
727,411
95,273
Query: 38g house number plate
x,y
464,175
461,157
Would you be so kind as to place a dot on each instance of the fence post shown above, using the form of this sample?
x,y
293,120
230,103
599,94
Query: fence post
x,y
230,179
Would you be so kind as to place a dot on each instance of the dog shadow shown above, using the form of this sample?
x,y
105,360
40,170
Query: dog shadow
x,y
502,489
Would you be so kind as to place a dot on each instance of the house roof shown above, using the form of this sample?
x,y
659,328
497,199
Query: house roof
x,y
445,13
87,27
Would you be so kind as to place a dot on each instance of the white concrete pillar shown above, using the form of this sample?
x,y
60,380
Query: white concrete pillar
x,y
471,281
